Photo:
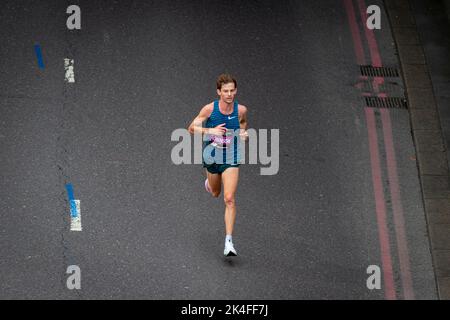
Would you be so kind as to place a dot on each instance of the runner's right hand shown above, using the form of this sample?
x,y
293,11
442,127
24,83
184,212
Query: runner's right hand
x,y
217,131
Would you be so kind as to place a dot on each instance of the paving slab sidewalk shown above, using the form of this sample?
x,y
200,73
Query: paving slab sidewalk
x,y
422,34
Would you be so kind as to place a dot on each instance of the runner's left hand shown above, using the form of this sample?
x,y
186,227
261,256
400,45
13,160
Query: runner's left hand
x,y
243,134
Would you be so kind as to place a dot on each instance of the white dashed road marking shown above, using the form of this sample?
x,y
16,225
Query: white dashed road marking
x,y
68,67
75,220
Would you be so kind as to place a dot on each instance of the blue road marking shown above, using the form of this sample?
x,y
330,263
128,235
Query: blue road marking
x,y
37,49
73,205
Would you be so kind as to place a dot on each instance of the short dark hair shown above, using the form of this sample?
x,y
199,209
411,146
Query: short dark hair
x,y
224,79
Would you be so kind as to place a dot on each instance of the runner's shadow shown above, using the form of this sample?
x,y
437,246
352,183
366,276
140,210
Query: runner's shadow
x,y
232,262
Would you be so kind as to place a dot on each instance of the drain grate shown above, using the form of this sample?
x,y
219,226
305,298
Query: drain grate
x,y
389,102
371,71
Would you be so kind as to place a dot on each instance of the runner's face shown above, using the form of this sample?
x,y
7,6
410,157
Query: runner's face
x,y
228,92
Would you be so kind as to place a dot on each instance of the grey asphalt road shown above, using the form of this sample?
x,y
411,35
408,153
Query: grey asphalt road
x,y
150,231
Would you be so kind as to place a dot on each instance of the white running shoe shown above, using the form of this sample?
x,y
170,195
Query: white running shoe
x,y
207,186
229,250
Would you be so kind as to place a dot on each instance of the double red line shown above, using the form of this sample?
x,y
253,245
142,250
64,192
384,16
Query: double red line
x,y
380,204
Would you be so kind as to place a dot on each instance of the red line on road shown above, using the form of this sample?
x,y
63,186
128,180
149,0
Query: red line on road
x,y
380,206
374,53
397,208
357,42
373,47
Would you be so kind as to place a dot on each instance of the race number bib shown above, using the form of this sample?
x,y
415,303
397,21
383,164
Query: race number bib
x,y
222,142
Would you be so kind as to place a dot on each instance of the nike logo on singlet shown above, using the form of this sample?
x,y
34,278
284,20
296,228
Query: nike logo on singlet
x,y
229,118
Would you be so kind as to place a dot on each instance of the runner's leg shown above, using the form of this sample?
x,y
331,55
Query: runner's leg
x,y
214,181
230,181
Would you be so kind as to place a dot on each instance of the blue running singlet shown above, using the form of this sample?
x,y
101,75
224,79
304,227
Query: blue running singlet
x,y
222,149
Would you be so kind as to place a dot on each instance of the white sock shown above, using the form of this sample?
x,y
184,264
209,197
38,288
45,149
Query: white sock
x,y
229,238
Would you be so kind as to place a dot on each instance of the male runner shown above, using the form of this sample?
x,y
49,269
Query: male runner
x,y
223,117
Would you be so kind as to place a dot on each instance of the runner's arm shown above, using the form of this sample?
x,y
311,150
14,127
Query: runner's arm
x,y
196,125
243,117
243,121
